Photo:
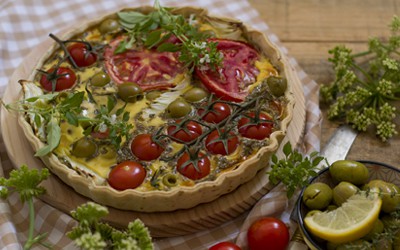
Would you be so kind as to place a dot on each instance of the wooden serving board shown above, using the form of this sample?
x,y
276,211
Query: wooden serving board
x,y
161,224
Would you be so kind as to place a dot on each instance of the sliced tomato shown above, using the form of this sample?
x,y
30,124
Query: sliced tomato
x,y
231,80
149,69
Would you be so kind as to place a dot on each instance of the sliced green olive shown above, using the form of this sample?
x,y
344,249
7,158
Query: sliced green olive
x,y
130,92
108,25
84,148
178,108
152,95
195,94
100,79
277,85
170,180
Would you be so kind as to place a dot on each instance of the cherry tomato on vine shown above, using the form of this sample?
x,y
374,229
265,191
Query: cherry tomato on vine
x,y
268,232
144,148
218,112
186,167
258,129
215,142
237,72
226,245
81,54
149,69
64,78
126,175
189,132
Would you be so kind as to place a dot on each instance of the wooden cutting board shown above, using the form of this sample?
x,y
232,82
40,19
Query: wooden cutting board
x,y
161,224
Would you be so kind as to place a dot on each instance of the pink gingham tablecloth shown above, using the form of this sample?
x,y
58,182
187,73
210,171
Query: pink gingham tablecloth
x,y
25,24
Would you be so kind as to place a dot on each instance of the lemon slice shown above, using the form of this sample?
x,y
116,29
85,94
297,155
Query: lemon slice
x,y
353,220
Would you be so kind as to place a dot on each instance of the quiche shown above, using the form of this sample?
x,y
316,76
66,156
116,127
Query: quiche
x,y
155,109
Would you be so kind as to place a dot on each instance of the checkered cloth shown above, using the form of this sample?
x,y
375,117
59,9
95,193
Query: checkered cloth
x,y
25,24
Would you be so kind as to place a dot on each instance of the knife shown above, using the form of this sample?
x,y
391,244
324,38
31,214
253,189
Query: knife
x,y
337,148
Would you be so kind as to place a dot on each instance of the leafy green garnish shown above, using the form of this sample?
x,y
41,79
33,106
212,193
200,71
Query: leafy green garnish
x,y
26,182
91,233
154,29
364,92
294,170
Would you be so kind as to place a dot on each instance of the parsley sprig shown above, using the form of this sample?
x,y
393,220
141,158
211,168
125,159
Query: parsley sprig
x,y
294,170
367,85
26,182
154,29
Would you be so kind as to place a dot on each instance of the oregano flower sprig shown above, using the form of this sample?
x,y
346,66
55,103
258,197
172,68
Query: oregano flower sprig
x,y
365,93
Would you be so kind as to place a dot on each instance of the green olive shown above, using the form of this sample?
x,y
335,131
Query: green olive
x,y
84,148
195,94
350,171
317,196
178,108
108,25
390,194
343,191
130,92
100,79
170,180
152,95
277,85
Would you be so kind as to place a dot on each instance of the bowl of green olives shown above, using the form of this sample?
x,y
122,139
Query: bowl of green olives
x,y
332,188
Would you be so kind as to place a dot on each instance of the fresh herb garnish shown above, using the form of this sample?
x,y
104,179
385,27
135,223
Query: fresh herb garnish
x,y
26,182
364,93
91,233
294,170
154,30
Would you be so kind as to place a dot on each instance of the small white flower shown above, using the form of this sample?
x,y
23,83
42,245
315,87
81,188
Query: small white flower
x,y
103,127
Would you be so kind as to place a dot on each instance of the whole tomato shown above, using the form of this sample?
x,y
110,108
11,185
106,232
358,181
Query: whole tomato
x,y
126,175
225,245
268,233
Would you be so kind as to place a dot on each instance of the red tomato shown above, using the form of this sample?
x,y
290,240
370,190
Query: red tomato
x,y
237,72
268,233
226,245
63,78
126,175
186,167
218,112
150,69
215,142
144,148
81,54
190,132
258,129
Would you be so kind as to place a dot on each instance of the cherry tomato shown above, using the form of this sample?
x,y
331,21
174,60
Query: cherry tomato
x,y
150,69
188,133
81,54
215,142
237,72
186,168
258,129
126,175
268,232
218,112
64,78
144,148
226,245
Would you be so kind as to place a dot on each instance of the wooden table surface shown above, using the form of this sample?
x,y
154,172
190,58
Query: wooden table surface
x,y
309,28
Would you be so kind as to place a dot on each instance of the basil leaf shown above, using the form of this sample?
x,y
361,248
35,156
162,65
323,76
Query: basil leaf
x,y
73,101
53,138
153,38
132,17
168,47
47,97
71,118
